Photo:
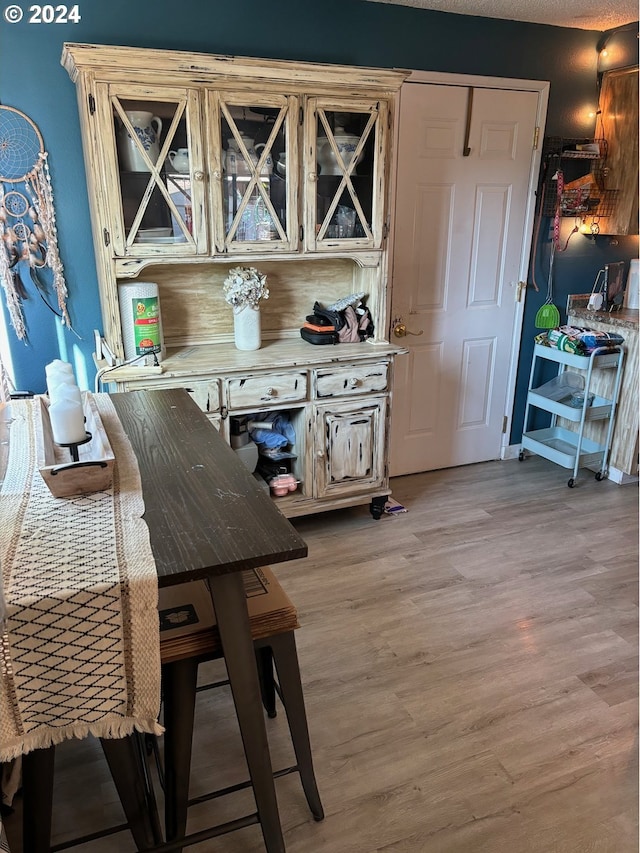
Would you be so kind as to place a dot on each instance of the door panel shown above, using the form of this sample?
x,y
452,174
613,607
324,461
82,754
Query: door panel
x,y
476,372
349,442
459,233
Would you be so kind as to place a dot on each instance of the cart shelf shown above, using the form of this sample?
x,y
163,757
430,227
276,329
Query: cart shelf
x,y
598,359
561,446
598,410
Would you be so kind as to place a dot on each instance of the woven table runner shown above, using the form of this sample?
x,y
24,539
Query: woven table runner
x,y
80,643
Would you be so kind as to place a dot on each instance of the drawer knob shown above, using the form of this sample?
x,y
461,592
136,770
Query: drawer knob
x,y
198,176
271,392
353,382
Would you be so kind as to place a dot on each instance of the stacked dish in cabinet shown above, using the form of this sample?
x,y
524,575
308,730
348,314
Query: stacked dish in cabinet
x,y
568,397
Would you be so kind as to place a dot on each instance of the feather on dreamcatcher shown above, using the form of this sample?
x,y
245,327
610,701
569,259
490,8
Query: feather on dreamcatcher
x,y
27,219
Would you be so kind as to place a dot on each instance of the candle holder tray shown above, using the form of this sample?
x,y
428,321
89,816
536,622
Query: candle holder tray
x,y
91,472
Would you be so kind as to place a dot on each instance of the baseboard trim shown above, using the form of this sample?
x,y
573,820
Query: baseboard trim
x,y
511,451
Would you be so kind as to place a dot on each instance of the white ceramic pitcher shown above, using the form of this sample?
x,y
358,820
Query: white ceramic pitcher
x,y
147,128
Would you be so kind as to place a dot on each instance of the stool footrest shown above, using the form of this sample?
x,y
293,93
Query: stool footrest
x,y
205,834
239,786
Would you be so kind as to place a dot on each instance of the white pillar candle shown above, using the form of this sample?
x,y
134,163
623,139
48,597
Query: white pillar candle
x,y
58,364
67,422
61,389
58,371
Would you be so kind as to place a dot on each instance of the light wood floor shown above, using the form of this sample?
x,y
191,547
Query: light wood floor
x,y
470,672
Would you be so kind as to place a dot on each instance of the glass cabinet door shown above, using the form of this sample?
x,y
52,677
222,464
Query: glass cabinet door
x,y
258,172
159,208
344,174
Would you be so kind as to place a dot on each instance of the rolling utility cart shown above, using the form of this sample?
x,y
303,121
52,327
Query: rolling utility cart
x,y
568,396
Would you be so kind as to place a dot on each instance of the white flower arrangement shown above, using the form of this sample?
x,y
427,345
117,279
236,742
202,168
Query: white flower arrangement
x,y
245,286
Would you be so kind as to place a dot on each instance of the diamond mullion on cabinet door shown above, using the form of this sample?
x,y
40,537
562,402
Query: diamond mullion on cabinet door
x,y
185,192
346,183
344,203
148,220
255,208
250,171
146,164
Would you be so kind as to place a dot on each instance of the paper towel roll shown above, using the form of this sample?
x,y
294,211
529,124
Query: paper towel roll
x,y
141,321
632,290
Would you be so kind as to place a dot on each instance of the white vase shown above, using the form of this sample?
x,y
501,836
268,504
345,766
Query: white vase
x,y
246,327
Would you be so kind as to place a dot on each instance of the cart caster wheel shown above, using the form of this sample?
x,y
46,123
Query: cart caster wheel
x,y
599,476
571,483
521,456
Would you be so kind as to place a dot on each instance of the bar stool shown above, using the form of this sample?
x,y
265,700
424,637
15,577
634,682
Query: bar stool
x,y
188,637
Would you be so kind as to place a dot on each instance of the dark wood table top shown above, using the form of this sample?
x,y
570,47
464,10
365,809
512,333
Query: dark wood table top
x,y
206,513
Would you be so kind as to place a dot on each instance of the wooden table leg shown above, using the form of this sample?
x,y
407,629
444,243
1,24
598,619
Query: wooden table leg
x,y
230,604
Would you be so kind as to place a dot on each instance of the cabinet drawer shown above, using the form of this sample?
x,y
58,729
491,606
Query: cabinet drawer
x,y
352,379
247,391
204,392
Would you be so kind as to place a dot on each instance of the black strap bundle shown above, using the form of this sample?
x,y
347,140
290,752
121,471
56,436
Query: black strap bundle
x,y
351,324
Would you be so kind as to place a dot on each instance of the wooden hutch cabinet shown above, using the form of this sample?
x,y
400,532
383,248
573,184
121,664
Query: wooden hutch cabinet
x,y
197,163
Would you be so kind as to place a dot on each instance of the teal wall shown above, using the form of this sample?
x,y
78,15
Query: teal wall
x,y
352,32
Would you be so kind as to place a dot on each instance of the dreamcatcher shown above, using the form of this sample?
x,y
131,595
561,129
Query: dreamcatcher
x,y
27,218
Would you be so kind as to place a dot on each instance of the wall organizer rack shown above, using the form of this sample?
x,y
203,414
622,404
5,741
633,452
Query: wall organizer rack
x,y
580,159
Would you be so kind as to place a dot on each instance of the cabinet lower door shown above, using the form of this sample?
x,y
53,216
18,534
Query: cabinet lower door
x,y
350,447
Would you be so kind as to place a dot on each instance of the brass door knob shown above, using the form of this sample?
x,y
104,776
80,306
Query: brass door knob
x,y
400,331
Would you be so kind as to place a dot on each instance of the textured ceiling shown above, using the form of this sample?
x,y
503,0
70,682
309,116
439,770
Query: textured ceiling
x,y
580,14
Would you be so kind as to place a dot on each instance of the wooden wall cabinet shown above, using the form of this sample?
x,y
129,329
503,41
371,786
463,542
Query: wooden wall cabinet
x,y
196,163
